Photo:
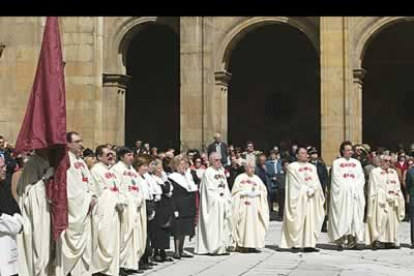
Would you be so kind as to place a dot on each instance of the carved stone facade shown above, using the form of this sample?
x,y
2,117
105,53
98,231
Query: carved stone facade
x,y
95,55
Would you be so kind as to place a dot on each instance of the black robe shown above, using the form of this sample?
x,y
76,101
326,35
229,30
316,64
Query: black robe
x,y
185,205
163,219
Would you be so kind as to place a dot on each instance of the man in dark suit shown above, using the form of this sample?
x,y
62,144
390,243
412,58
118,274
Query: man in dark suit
x,y
273,168
219,147
260,171
5,153
409,183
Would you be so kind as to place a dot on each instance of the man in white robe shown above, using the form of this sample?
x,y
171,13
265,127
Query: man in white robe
x,y
75,242
304,205
213,234
105,218
386,206
347,201
250,211
134,216
35,242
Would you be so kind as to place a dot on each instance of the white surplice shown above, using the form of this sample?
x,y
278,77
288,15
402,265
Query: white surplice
x,y
250,211
105,221
213,233
35,241
347,201
304,213
386,206
134,218
76,241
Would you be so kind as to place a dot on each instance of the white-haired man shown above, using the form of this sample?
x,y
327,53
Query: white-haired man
x,y
213,234
386,206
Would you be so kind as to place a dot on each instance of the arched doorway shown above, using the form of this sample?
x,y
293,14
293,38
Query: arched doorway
x,y
388,87
274,92
152,107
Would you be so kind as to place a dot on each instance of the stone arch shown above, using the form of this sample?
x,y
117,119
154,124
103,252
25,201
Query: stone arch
x,y
126,28
230,39
368,30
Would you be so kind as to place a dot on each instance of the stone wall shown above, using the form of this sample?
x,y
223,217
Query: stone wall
x,y
94,46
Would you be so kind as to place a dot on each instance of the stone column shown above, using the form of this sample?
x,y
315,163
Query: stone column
x,y
114,87
191,90
336,81
357,105
219,106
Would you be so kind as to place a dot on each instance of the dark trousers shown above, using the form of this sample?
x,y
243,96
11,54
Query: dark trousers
x,y
271,196
281,201
412,218
148,250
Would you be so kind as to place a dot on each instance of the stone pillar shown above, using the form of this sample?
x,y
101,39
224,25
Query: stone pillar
x,y
357,105
192,85
336,81
114,87
219,105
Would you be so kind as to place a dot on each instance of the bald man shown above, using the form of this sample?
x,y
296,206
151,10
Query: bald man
x,y
220,148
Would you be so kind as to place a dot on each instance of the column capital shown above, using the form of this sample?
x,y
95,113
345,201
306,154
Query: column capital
x,y
115,80
222,77
359,75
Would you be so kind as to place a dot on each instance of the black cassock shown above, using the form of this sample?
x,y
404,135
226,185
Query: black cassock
x,y
185,204
163,219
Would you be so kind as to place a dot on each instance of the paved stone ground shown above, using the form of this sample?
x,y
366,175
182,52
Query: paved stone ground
x,y
271,262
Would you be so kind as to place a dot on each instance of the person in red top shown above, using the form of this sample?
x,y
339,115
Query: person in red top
x,y
401,166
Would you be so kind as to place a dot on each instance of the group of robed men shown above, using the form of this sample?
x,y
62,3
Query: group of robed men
x,y
304,207
108,221
107,217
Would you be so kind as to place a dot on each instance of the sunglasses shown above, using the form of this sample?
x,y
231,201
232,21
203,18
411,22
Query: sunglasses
x,y
387,160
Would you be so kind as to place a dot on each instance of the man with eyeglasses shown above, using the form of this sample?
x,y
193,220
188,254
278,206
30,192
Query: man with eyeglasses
x,y
386,206
213,234
106,217
75,246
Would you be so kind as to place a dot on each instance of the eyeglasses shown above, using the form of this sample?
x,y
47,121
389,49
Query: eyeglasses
x,y
387,160
109,154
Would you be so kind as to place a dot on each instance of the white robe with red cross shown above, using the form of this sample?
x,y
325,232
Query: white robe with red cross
x,y
106,221
347,200
304,212
134,219
386,206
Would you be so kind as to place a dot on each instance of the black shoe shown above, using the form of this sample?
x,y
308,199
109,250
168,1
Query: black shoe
x,y
185,255
295,250
176,256
158,259
310,249
144,266
152,264
356,247
340,248
412,246
139,271
122,272
168,259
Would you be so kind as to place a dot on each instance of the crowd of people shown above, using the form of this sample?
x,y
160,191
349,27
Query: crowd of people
x,y
125,204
